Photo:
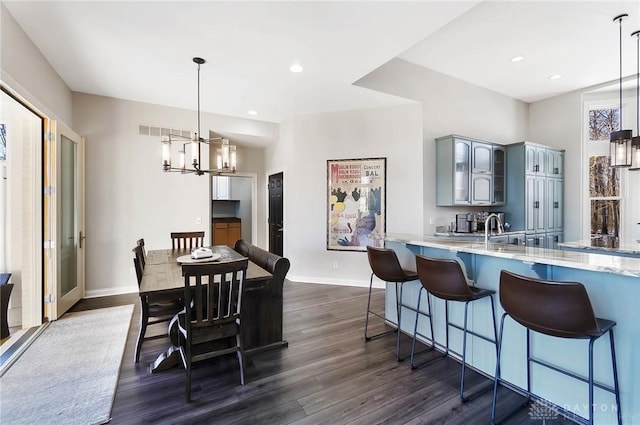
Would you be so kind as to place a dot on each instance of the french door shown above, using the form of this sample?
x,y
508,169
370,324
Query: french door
x,y
68,215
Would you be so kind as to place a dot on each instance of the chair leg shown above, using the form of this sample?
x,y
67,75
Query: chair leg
x,y
144,318
399,307
188,371
591,341
368,338
497,374
616,388
464,350
366,321
415,329
240,357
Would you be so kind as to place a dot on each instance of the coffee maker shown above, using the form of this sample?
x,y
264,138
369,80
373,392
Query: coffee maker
x,y
466,223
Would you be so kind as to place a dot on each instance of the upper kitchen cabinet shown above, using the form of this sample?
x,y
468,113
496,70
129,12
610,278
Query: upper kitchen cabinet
x,y
220,188
469,172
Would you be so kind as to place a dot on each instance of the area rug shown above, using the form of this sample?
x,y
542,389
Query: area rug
x,y
70,373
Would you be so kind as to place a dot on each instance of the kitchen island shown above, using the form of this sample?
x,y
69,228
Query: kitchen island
x,y
613,285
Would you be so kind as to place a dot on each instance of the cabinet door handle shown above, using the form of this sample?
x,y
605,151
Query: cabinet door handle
x,y
556,204
536,168
536,204
556,170
556,238
537,242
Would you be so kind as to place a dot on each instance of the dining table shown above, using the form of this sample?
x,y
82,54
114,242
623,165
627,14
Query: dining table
x,y
163,275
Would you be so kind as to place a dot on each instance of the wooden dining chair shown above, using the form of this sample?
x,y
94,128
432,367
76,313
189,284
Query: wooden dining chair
x,y
154,308
213,300
187,240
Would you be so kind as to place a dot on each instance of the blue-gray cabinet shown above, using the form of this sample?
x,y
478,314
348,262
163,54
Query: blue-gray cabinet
x,y
469,172
535,192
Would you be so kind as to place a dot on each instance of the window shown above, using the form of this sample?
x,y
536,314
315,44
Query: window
x,y
605,192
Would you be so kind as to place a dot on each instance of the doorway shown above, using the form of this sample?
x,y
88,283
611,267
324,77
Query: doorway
x,y
21,250
276,222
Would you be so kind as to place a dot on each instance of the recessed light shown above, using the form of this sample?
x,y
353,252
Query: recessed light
x,y
517,58
555,76
252,112
296,68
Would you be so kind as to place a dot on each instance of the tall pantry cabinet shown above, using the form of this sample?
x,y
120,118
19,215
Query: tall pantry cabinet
x,y
535,191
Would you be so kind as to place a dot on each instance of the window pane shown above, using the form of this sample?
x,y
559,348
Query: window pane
x,y
605,223
604,181
602,122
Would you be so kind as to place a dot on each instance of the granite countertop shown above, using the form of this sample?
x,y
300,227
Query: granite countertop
x,y
477,234
578,260
589,245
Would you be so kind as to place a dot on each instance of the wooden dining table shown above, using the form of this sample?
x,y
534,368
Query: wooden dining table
x,y
163,274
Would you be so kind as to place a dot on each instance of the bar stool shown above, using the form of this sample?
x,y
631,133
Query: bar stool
x,y
445,279
560,309
385,266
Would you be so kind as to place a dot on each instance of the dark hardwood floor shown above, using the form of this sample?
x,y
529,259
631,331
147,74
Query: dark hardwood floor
x,y
327,375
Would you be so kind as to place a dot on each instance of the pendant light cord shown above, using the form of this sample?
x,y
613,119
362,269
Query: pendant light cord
x,y
199,135
620,113
637,34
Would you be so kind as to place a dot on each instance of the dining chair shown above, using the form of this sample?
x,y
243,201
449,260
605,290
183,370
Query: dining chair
x,y
213,301
154,308
187,240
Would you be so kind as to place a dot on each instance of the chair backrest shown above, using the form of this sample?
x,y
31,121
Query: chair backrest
x,y
213,293
385,264
443,278
558,309
140,242
187,240
138,262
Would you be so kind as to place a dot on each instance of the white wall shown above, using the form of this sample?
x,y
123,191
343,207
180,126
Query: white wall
x,y
307,142
128,196
449,106
26,70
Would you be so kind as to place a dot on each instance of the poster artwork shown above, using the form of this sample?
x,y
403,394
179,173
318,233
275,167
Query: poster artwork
x,y
356,203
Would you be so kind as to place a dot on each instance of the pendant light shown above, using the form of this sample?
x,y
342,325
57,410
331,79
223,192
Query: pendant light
x,y
225,154
635,141
620,140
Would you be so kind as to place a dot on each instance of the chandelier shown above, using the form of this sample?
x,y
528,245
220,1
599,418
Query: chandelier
x,y
225,153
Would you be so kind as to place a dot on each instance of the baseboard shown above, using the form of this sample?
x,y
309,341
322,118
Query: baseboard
x,y
120,290
334,281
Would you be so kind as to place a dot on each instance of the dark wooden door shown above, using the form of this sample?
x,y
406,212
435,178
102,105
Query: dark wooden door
x,y
276,229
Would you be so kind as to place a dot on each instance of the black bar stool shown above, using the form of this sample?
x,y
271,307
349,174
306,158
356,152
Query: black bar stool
x,y
385,266
560,309
444,279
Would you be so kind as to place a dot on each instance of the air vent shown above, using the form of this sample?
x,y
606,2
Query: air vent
x,y
147,130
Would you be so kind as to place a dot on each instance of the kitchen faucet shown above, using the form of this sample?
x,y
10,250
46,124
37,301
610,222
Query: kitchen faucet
x,y
486,226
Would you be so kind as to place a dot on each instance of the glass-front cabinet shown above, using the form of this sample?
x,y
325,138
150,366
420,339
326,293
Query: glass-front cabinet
x,y
461,171
469,172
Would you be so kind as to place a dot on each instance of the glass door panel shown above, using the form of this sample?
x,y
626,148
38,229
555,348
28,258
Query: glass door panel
x,y
68,195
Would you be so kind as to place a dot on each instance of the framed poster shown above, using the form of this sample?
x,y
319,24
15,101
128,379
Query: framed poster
x,y
356,190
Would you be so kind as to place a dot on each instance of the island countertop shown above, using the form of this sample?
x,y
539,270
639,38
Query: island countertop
x,y
625,248
578,260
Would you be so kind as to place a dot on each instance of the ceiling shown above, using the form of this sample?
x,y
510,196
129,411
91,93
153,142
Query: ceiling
x,y
143,51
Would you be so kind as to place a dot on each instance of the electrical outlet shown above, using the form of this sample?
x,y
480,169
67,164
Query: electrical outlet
x,y
335,264
198,220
